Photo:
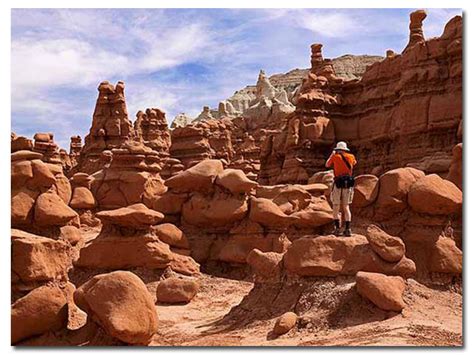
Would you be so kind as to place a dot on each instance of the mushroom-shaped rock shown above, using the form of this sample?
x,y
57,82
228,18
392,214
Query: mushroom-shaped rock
x,y
267,213
285,323
235,181
136,216
265,265
121,304
50,210
176,290
366,190
199,177
446,257
389,248
386,292
25,155
43,309
171,235
434,195
82,198
36,258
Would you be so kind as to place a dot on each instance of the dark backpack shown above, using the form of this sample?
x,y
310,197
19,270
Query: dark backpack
x,y
345,181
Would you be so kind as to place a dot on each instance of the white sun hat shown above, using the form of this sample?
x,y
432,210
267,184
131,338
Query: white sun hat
x,y
341,146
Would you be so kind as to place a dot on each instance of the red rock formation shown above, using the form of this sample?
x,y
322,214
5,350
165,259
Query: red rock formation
x,y
416,28
75,148
405,110
151,129
40,193
110,127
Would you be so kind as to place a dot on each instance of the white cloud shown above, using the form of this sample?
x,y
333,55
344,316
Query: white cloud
x,y
50,63
327,24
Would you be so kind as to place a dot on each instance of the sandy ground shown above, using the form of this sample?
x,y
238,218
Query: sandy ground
x,y
235,312
431,318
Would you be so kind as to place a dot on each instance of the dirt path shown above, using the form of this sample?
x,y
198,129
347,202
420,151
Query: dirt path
x,y
431,318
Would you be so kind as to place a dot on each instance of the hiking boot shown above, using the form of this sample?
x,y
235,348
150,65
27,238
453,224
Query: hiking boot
x,y
347,230
337,228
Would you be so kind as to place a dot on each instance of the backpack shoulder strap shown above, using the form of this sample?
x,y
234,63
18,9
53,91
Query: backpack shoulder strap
x,y
346,162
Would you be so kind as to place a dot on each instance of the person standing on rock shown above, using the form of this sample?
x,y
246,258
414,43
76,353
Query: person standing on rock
x,y
342,192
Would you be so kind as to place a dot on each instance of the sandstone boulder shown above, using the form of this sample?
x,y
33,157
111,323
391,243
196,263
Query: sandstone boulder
x,y
50,210
135,216
217,210
366,190
42,175
121,304
434,195
332,256
22,204
389,248
25,155
285,323
176,290
386,292
393,191
82,198
265,265
267,213
199,177
170,202
43,309
235,181
39,259
318,213
171,235
119,252
445,257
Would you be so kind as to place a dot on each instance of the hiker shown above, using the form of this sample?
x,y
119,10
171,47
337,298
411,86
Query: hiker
x,y
342,162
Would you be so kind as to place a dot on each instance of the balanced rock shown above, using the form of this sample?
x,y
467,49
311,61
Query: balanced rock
x,y
135,216
386,292
176,290
121,304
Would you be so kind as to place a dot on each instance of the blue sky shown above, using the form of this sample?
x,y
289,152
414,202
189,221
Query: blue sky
x,y
176,59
